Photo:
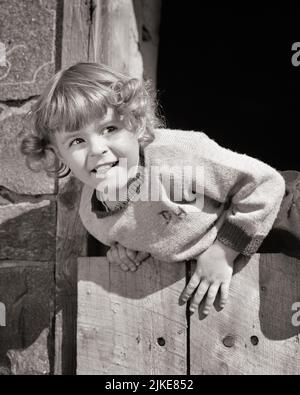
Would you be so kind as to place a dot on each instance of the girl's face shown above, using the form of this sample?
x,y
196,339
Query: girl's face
x,y
102,154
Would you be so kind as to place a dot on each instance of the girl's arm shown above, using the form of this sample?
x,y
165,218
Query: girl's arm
x,y
252,190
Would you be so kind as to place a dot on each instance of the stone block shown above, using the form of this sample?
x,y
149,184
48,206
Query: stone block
x,y
3,201
27,29
28,231
14,174
26,345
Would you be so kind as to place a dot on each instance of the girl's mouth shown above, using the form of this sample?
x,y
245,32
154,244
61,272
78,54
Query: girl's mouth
x,y
103,169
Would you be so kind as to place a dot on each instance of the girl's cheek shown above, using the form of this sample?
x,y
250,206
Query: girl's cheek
x,y
78,158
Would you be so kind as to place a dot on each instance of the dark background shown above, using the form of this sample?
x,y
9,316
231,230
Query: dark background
x,y
228,71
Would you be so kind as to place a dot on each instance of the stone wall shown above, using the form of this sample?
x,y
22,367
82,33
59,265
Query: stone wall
x,y
27,199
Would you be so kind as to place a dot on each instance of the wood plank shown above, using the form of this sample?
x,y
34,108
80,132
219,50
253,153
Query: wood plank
x,y
76,29
148,15
114,38
71,243
254,334
71,236
122,318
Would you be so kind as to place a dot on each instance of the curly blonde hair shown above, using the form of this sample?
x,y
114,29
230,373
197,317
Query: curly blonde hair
x,y
79,95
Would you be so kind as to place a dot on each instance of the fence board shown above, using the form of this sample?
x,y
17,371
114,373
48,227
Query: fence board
x,y
76,30
71,243
254,334
130,323
114,38
71,236
148,16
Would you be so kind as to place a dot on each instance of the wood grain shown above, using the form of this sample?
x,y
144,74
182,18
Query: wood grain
x,y
71,243
71,236
148,17
130,323
76,30
114,38
254,334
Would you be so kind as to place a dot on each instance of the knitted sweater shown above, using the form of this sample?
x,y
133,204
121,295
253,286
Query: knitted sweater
x,y
227,196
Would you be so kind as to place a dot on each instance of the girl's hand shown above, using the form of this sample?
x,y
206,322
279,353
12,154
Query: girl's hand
x,y
124,257
213,272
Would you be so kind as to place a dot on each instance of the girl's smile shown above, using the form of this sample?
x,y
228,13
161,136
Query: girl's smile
x,y
102,154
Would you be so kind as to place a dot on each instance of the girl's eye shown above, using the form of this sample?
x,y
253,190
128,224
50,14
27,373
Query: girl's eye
x,y
75,141
109,129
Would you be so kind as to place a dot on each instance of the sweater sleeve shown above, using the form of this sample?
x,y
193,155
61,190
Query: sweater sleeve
x,y
251,189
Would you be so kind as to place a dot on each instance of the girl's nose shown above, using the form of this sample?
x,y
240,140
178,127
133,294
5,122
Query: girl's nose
x,y
97,146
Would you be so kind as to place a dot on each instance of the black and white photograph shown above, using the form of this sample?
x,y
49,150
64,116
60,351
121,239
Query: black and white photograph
x,y
149,191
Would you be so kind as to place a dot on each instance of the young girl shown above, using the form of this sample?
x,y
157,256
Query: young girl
x,y
212,204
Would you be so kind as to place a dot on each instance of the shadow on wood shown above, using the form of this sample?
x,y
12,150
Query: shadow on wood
x,y
151,277
254,333
279,280
131,323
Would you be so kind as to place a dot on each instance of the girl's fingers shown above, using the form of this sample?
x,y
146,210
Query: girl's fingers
x,y
123,257
141,256
113,257
224,294
108,256
124,267
192,285
126,258
199,295
210,297
131,254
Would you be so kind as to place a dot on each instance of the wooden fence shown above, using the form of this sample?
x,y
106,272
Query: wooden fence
x,y
131,323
